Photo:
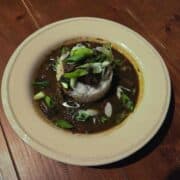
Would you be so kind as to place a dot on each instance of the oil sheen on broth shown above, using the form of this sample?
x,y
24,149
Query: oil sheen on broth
x,y
85,86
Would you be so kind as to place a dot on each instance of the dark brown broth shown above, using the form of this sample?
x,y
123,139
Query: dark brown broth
x,y
125,75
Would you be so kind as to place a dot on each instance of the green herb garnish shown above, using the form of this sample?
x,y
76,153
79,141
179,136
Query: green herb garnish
x,y
107,51
64,85
73,82
118,62
97,67
64,50
103,119
63,124
79,53
40,84
100,57
82,115
75,74
49,102
127,102
39,95
124,98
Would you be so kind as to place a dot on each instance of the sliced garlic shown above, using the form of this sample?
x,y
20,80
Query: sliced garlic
x,y
59,66
75,105
127,89
108,109
92,112
94,120
118,92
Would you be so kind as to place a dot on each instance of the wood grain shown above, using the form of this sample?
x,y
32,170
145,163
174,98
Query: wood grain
x,y
7,170
163,29
159,23
15,25
139,18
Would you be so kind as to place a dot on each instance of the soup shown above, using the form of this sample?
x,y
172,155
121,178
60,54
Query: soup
x,y
85,86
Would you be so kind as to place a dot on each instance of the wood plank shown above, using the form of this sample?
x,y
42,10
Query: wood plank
x,y
15,25
7,170
163,28
54,10
159,23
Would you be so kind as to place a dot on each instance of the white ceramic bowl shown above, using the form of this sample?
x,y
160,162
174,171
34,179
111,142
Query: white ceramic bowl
x,y
95,149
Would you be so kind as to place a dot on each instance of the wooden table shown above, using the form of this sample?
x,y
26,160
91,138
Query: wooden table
x,y
159,22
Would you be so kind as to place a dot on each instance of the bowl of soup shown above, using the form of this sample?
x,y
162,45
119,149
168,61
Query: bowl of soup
x,y
84,91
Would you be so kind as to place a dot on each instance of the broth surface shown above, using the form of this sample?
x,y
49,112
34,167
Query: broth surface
x,y
124,77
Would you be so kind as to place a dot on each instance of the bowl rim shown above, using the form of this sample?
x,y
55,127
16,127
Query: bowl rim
x,y
20,132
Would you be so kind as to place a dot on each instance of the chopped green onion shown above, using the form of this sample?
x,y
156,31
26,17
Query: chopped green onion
x,y
118,62
99,57
73,58
49,102
41,84
75,74
64,85
82,115
92,112
103,119
83,51
79,53
127,102
96,67
105,63
64,50
73,82
63,124
86,65
106,50
58,67
54,66
124,98
39,95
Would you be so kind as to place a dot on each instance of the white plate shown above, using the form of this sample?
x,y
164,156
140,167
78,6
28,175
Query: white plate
x,y
100,148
